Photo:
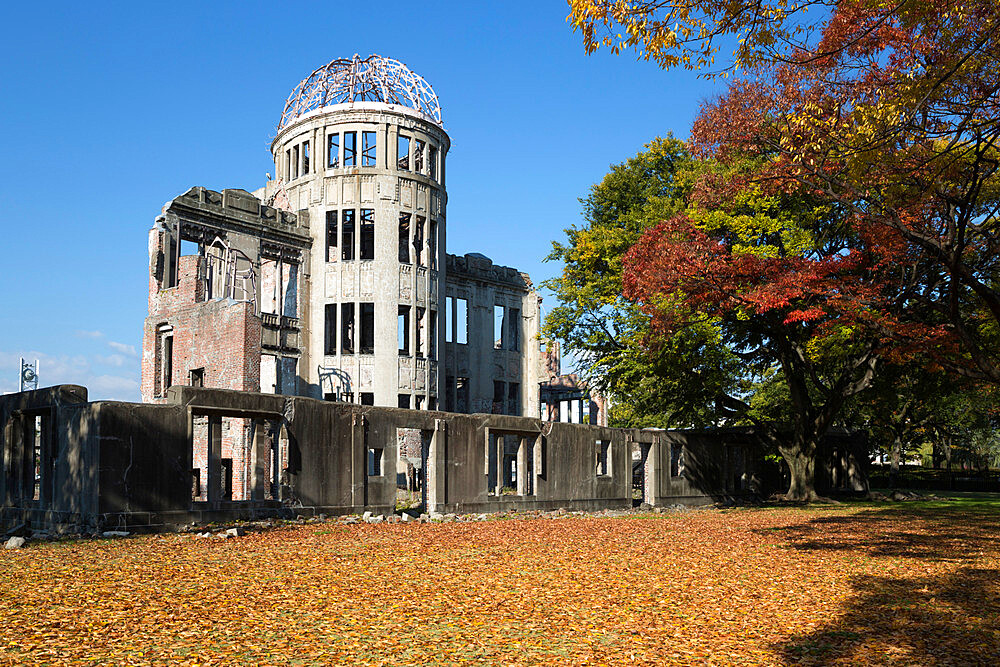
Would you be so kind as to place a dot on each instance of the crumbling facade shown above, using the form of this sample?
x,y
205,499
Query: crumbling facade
x,y
332,281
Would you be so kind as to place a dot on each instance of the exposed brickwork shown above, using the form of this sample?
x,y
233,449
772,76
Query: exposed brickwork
x,y
221,336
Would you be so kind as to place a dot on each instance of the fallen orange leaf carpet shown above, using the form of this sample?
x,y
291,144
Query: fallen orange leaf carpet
x,y
843,584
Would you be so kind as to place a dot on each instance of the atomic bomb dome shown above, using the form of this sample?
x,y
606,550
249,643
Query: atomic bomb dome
x,y
371,79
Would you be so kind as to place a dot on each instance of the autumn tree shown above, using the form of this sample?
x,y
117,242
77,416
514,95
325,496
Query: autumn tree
x,y
889,109
776,274
674,382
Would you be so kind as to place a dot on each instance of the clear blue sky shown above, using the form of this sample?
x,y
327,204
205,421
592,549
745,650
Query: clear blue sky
x,y
111,109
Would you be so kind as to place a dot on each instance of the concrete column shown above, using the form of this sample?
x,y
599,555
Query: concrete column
x,y
214,461
436,474
522,466
261,450
359,461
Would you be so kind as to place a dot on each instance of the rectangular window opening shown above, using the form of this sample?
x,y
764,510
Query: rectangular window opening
x,y
330,330
449,392
403,401
418,156
331,236
432,335
368,148
367,338
347,328
367,398
333,150
167,363
347,234
432,246
350,149
403,153
676,460
462,321
418,240
305,158
367,240
432,157
288,165
403,330
499,313
404,237
603,458
197,377
295,162
420,331
374,462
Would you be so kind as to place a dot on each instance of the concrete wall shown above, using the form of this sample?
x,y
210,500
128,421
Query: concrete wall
x,y
131,465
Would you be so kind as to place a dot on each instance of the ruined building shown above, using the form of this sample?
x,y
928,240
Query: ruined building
x,y
332,281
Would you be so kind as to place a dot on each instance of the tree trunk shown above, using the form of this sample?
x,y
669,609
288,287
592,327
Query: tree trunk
x,y
802,469
897,448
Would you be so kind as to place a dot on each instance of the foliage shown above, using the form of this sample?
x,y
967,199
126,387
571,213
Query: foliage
x,y
769,269
688,33
674,382
898,584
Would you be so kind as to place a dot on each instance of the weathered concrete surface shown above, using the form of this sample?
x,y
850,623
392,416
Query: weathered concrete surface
x,y
111,465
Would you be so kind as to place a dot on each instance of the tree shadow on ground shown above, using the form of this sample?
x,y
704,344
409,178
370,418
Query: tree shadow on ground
x,y
946,618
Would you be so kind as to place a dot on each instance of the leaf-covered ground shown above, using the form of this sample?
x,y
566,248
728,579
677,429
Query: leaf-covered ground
x,y
879,584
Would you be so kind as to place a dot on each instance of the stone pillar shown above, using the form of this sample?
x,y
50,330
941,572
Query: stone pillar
x,y
214,461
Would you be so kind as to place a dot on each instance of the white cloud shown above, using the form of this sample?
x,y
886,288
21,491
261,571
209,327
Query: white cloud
x,y
80,333
123,348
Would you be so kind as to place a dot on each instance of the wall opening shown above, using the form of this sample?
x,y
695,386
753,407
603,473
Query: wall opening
x,y
403,330
347,234
347,328
603,456
331,236
404,238
367,329
350,149
330,329
368,143
367,236
413,445
403,153
333,150
510,463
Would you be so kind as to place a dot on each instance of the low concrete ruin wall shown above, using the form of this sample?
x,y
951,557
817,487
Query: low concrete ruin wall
x,y
216,455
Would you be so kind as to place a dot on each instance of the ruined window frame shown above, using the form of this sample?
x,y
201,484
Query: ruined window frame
x,y
305,158
295,162
196,377
418,239
347,328
366,327
347,234
432,335
403,162
403,330
330,329
419,327
499,318
418,155
432,245
432,157
366,234
369,151
404,237
350,149
331,236
333,150
403,401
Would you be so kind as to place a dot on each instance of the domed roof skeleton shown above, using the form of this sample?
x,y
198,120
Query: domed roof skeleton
x,y
372,79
